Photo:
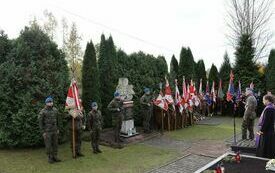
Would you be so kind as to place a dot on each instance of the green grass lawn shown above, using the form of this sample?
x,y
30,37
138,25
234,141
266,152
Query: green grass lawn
x,y
132,159
208,132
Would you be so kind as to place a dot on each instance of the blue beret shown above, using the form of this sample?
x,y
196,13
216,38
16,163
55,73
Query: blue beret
x,y
49,99
93,104
146,90
116,94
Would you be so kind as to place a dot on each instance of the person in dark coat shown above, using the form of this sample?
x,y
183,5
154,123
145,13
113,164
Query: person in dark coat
x,y
265,139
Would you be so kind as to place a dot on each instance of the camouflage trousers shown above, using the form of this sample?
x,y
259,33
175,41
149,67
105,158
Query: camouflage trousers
x,y
147,114
248,124
117,126
95,136
51,144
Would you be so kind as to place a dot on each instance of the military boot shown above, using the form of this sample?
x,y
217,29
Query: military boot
x,y
79,154
98,150
50,159
56,159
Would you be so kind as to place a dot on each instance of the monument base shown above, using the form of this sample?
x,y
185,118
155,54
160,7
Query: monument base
x,y
128,129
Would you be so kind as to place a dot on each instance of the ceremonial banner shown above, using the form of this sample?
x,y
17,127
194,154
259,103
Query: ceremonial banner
x,y
213,93
178,100
200,88
192,88
230,91
239,92
73,101
168,93
185,94
161,102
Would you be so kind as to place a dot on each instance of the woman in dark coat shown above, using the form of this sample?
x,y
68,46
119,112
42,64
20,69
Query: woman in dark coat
x,y
265,139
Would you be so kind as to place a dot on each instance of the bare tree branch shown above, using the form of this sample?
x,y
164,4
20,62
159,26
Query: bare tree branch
x,y
250,17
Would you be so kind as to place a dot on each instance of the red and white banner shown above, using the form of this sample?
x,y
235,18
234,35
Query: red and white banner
x,y
73,100
161,102
192,88
178,100
200,88
168,93
213,93
185,94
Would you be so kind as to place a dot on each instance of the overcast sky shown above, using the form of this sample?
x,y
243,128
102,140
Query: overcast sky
x,y
158,27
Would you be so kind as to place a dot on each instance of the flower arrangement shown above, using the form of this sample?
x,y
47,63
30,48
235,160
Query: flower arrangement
x,y
270,165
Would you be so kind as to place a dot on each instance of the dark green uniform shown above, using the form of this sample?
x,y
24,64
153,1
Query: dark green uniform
x,y
116,108
95,123
78,123
48,126
249,117
147,109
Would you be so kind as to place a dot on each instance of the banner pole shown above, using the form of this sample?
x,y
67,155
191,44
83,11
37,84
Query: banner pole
x,y
162,125
168,119
73,133
175,120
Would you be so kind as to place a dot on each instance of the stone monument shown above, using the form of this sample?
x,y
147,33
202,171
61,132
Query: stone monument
x,y
126,91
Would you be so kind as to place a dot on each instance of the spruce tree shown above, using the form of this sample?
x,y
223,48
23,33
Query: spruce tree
x,y
35,69
108,75
5,46
90,77
245,68
201,74
225,71
213,75
270,73
174,68
186,64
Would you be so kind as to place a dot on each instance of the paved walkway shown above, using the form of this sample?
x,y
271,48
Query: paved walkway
x,y
194,154
189,163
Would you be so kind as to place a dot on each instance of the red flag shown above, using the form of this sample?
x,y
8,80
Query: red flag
x,y
168,93
178,100
192,88
73,100
161,102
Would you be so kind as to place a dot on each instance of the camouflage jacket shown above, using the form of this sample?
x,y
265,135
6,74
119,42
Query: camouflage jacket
x,y
114,105
145,100
250,107
95,120
48,119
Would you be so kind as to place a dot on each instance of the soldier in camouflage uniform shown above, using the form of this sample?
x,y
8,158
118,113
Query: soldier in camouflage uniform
x,y
147,109
116,108
48,125
249,115
95,122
